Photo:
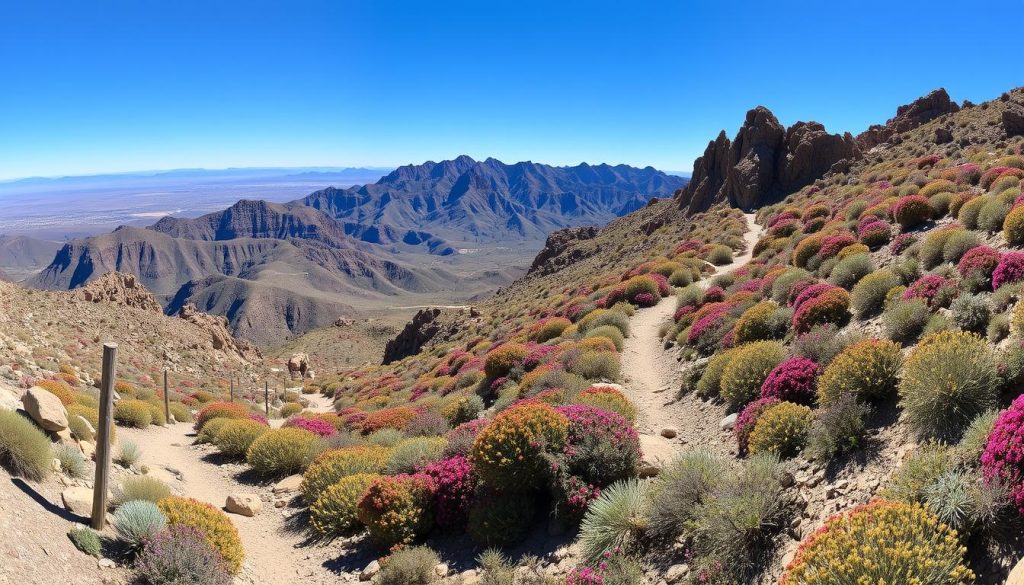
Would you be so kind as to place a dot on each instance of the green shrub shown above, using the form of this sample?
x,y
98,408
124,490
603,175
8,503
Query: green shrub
x,y
971,312
616,520
215,526
680,488
180,412
931,249
948,379
905,320
823,343
758,323
82,422
335,512
337,464
133,413
86,540
868,370
140,487
746,371
973,441
850,270
72,463
157,416
500,519
969,211
549,329
998,328
215,410
503,358
781,429
609,332
138,521
958,243
992,214
785,281
838,426
283,451
868,295
413,453
235,436
209,431
24,448
710,383
290,409
924,466
601,317
720,255
596,365
409,566
940,204
128,453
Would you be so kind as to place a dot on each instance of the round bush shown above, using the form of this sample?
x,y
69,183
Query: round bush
x,y
509,452
756,323
138,521
596,365
831,306
317,426
133,413
805,249
880,542
969,211
455,482
280,452
868,295
601,447
58,389
641,285
220,410
502,359
911,211
781,429
289,409
335,512
1010,269
24,448
607,332
850,270
415,452
397,509
498,519
932,289
234,437
868,370
978,264
181,554
610,398
550,328
992,214
388,418
748,418
214,525
948,379
793,380
904,320
337,464
720,255
415,565
971,313
210,430
1003,457
746,372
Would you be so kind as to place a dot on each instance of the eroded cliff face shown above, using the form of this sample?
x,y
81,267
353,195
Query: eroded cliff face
x,y
764,162
909,116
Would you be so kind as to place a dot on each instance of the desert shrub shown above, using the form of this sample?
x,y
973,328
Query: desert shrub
x,y
838,426
596,365
975,437
607,397
710,382
156,413
785,281
719,255
978,264
385,437
82,422
608,332
679,489
821,344
547,329
415,452
502,359
464,409
961,499
133,413
924,466
911,211
971,312
1003,457
318,426
509,452
138,521
58,389
998,328
182,554
874,234
500,519
213,524
948,379
180,412
992,214
601,446
850,270
896,542
388,418
748,369
868,295
937,186
141,488
455,483
334,465
86,540
409,566
793,380
615,520
216,410
933,289
335,511
959,243
289,409
601,317
832,306
930,250
641,285
805,250
210,429
280,452
781,429
868,370
757,323
1009,270
969,211
397,509
904,321
748,418
72,463
128,453
234,437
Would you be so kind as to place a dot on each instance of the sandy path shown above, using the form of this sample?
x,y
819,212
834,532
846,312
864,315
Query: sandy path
x,y
273,554
651,374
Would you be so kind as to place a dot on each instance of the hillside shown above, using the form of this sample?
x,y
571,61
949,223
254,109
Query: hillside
x,y
21,256
464,200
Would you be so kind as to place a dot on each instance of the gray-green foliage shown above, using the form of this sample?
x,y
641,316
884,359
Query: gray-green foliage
x,y
971,312
410,566
72,463
86,540
680,488
24,448
848,271
128,453
868,295
138,521
905,320
615,520
838,426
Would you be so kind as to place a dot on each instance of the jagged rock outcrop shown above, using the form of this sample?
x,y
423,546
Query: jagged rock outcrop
x,y
909,116
119,288
423,327
1013,119
553,256
764,162
220,334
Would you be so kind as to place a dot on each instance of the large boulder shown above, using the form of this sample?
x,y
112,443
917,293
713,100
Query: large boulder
x,y
46,409
1013,119
119,288
298,365
908,116
78,500
244,504
655,453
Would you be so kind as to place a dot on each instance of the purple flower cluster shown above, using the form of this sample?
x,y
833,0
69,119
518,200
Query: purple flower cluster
x,y
664,289
712,320
979,263
455,483
181,554
811,292
537,355
1003,457
601,446
714,294
313,425
928,288
874,232
645,300
793,380
1010,269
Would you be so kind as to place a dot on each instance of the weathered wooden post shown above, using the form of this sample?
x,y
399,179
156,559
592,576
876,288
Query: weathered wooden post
x,y
232,389
266,397
99,490
167,399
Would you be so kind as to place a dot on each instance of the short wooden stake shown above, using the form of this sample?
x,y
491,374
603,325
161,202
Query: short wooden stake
x,y
266,397
167,399
232,390
99,490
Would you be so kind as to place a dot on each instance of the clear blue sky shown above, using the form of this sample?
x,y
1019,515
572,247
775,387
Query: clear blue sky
x,y
101,86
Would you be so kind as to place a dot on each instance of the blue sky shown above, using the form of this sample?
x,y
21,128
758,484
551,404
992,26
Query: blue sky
x,y
103,86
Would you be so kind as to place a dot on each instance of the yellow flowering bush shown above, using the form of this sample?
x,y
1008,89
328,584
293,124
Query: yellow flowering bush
x,y
755,323
133,413
336,464
336,511
881,542
215,526
397,509
234,437
58,389
781,429
746,372
868,369
508,453
279,452
607,397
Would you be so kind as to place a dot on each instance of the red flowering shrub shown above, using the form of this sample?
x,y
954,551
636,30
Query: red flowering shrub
x,y
994,173
748,417
601,446
911,211
714,294
645,300
664,289
397,508
548,328
901,242
220,410
811,292
832,306
794,380
388,418
503,358
874,234
641,285
831,245
1009,269
454,482
314,425
509,453
782,229
933,289
979,263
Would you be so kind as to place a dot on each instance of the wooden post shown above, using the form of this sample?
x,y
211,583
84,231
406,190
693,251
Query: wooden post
x,y
167,399
99,490
266,397
232,390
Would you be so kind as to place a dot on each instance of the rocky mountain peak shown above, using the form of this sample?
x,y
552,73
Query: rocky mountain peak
x,y
119,288
909,116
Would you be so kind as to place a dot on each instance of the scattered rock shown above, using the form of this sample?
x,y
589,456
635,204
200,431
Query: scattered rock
x,y
728,422
78,500
655,453
1013,119
8,400
441,570
669,433
368,573
46,409
288,484
677,573
106,564
244,504
120,288
88,449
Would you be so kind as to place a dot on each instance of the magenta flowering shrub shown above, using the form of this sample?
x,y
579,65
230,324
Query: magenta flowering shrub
x,y
664,289
601,447
793,380
931,288
455,483
1010,269
682,312
537,355
911,211
706,332
752,285
748,417
797,288
181,554
260,419
784,228
1003,457
874,232
645,300
901,242
782,217
831,245
714,294
994,173
313,425
811,292
979,264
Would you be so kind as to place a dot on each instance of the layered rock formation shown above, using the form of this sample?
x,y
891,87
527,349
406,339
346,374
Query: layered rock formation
x,y
119,288
220,334
764,162
908,116
559,251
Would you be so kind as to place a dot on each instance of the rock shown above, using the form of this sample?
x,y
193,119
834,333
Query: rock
x,y
655,453
676,573
909,116
669,433
8,400
441,570
88,449
106,564
219,331
560,250
46,409
119,288
298,365
88,425
728,422
163,474
244,504
288,484
1013,119
1016,576
78,500
943,136
368,573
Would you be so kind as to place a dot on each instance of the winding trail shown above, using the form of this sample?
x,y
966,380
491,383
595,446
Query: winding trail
x,y
651,374
273,553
